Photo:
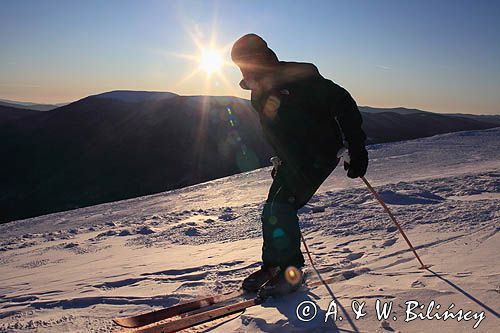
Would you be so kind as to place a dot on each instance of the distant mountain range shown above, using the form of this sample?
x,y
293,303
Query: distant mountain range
x,y
30,106
123,144
488,118
400,110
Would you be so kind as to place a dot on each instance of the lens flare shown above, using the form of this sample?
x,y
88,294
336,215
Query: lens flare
x,y
293,275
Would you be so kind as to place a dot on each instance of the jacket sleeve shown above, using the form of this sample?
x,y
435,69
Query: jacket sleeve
x,y
347,114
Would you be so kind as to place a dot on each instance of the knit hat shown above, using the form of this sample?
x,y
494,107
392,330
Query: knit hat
x,y
252,47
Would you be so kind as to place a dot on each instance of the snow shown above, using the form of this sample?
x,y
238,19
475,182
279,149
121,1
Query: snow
x,y
74,271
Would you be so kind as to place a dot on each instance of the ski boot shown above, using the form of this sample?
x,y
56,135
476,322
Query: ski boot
x,y
285,282
257,279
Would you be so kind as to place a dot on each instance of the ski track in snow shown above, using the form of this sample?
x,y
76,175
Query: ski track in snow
x,y
75,270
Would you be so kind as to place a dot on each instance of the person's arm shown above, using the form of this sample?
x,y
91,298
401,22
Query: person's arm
x,y
349,118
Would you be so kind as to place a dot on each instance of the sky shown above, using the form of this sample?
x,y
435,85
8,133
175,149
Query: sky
x,y
441,56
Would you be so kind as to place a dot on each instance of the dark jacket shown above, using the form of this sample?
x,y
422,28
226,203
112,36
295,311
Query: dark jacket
x,y
300,112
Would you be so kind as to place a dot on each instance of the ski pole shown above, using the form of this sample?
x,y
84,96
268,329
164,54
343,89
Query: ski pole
x,y
344,154
325,283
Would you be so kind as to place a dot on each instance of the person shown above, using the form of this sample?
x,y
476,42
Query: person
x,y
306,119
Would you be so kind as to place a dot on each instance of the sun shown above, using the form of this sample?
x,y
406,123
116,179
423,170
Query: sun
x,y
210,61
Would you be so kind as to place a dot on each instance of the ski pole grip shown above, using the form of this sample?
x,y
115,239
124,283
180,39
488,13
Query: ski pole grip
x,y
275,160
343,153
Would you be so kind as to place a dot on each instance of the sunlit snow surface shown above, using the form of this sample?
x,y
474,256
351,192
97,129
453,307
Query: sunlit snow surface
x,y
74,271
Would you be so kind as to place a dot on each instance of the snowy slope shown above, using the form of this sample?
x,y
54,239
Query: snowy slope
x,y
74,271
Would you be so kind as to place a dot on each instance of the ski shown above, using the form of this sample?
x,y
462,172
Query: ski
x,y
198,318
187,308
175,310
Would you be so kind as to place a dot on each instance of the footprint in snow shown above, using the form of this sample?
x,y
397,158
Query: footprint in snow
x,y
355,256
124,232
317,209
106,234
144,230
417,284
410,197
391,229
389,242
228,216
192,232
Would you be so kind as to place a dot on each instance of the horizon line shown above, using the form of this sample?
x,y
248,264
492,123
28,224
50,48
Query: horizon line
x,y
7,100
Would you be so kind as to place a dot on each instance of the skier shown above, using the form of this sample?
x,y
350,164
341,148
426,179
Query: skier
x,y
305,118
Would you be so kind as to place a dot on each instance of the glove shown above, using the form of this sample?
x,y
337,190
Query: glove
x,y
358,161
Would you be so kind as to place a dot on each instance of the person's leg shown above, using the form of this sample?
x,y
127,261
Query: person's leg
x,y
278,223
270,266
291,189
280,229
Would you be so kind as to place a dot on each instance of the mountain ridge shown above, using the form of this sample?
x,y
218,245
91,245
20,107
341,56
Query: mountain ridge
x,y
99,149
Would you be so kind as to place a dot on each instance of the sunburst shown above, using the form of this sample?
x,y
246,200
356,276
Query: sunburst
x,y
210,61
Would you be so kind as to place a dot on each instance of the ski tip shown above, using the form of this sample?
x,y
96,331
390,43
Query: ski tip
x,y
425,266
